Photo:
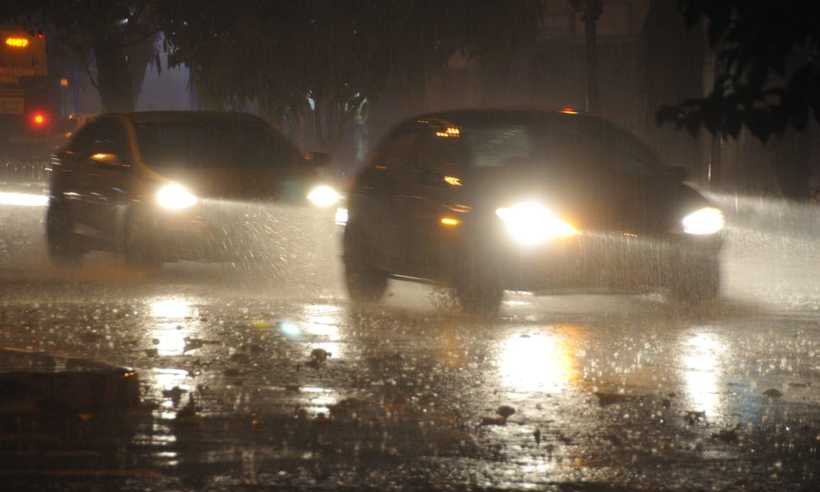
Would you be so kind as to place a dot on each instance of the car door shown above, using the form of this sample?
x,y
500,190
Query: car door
x,y
430,189
374,203
72,168
67,170
109,164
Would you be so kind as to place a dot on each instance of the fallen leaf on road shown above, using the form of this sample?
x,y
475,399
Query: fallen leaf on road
x,y
175,394
727,436
693,418
505,411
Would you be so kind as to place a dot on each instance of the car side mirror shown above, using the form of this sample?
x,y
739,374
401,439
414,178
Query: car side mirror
x,y
677,173
317,159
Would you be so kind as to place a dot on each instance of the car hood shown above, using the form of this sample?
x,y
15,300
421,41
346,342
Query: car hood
x,y
243,184
591,202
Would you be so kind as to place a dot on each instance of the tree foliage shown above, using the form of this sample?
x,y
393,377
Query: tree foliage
x,y
117,35
290,55
767,71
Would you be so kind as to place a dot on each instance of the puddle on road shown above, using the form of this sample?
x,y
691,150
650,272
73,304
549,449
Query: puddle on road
x,y
417,396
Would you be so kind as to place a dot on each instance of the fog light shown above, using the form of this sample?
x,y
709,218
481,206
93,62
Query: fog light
x,y
174,196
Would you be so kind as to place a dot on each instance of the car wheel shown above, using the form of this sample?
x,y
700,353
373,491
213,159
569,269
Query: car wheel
x,y
61,241
696,279
478,289
364,283
140,246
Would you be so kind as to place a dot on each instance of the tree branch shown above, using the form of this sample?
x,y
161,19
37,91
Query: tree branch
x,y
95,83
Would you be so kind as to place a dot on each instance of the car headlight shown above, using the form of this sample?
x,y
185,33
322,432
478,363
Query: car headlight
x,y
174,196
323,196
707,220
530,223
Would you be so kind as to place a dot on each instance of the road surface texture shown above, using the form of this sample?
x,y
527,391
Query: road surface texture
x,y
268,380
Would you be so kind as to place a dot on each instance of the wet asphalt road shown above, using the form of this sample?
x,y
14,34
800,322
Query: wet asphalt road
x,y
258,380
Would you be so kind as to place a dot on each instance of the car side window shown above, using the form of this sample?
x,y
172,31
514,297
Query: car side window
x,y
110,135
82,142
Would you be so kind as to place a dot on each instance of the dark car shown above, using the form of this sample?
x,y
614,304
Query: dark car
x,y
166,186
492,200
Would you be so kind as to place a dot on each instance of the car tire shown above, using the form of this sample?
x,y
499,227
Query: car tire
x,y
696,279
139,244
364,282
61,242
478,289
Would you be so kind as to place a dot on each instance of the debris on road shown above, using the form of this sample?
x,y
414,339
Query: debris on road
x,y
694,417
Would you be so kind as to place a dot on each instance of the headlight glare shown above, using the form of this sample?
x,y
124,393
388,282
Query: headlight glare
x,y
174,196
707,220
323,196
530,223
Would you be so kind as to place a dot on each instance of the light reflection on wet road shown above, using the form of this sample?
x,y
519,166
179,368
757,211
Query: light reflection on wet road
x,y
248,381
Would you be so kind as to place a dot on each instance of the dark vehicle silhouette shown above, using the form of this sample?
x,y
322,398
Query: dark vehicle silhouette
x,y
492,200
166,186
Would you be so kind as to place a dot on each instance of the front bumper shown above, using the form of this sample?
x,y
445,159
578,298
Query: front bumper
x,y
235,231
613,261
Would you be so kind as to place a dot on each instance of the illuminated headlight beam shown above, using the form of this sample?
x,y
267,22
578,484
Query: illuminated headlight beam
x,y
323,196
530,223
174,196
707,220
23,199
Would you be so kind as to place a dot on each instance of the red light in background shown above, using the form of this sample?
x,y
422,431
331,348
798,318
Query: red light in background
x,y
38,119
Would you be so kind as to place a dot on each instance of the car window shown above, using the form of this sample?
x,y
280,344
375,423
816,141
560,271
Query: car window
x,y
565,146
83,140
109,134
202,144
497,146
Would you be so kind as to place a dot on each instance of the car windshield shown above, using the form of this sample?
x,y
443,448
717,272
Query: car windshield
x,y
568,144
204,144
502,145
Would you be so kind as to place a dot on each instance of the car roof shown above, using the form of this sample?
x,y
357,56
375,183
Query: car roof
x,y
186,116
468,117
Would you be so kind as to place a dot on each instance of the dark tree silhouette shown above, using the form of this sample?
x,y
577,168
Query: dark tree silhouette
x,y
333,57
767,68
118,35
